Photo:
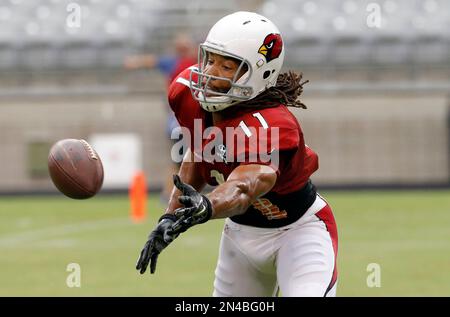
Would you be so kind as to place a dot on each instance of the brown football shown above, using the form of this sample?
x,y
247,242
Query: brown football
x,y
75,168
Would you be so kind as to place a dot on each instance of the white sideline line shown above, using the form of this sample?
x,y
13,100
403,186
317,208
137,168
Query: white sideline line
x,y
35,235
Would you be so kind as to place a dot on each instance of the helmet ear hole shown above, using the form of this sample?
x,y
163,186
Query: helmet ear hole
x,y
266,74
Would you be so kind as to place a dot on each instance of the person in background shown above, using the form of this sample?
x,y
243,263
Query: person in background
x,y
170,66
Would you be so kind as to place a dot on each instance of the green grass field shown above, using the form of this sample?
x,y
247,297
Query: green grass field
x,y
406,233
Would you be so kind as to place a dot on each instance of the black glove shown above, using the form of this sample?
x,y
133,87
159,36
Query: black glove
x,y
158,239
197,208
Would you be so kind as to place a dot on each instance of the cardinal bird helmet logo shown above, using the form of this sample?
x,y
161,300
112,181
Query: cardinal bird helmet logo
x,y
271,47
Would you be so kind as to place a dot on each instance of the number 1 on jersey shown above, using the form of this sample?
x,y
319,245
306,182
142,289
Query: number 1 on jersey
x,y
261,119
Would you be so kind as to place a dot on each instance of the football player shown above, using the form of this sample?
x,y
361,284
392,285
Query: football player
x,y
279,233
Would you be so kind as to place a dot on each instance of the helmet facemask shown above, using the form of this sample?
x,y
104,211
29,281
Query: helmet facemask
x,y
212,100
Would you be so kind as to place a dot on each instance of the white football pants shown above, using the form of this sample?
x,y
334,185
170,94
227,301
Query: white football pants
x,y
298,259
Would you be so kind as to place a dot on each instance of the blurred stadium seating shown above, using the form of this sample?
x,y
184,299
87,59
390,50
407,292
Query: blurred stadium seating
x,y
336,31
34,33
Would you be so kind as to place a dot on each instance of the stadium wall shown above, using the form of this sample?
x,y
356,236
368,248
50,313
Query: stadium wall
x,y
362,139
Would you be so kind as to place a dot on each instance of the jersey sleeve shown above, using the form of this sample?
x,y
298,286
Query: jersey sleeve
x,y
178,93
180,100
185,107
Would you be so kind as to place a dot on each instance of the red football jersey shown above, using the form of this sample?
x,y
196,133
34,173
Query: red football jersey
x,y
269,136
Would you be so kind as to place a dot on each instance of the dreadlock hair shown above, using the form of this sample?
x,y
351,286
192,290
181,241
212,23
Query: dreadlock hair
x,y
288,88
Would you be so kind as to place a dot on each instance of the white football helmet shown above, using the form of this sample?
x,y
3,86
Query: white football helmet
x,y
253,40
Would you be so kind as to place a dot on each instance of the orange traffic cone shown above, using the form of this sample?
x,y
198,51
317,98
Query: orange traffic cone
x,y
138,197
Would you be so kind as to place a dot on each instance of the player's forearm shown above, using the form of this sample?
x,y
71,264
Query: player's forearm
x,y
230,199
189,173
244,186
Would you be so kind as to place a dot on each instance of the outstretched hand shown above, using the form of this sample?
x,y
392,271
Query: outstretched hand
x,y
197,208
157,241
